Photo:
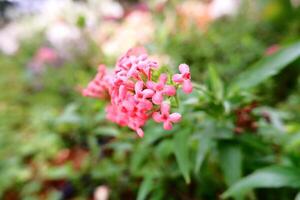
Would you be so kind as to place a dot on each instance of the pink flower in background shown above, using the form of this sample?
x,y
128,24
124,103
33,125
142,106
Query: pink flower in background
x,y
272,49
134,93
46,55
165,117
184,78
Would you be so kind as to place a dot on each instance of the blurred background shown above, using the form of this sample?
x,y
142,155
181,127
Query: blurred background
x,y
56,144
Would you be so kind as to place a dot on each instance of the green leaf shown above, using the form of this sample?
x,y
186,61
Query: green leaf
x,y
267,67
107,131
182,153
138,159
60,172
146,187
231,162
270,177
216,83
297,196
205,144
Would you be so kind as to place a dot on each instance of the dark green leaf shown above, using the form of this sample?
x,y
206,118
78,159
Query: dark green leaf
x,y
146,187
216,83
231,162
182,154
270,177
205,144
267,67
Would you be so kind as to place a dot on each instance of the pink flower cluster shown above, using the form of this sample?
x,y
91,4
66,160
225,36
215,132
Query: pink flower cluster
x,y
135,95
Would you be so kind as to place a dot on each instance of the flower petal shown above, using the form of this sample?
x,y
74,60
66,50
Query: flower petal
x,y
140,132
122,91
168,125
144,104
187,86
184,68
148,93
157,98
150,84
165,108
169,90
157,117
163,78
138,86
175,117
177,78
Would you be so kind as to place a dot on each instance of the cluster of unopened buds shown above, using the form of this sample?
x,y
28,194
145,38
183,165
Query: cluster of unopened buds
x,y
136,91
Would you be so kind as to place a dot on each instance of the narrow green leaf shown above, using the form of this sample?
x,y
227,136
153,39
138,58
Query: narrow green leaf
x,y
267,67
205,144
138,158
182,154
146,187
270,177
216,83
231,162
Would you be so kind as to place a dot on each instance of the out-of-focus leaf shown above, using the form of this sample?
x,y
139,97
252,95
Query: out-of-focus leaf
x,y
267,67
94,147
204,146
231,162
146,187
216,83
70,115
293,142
270,177
297,196
138,158
182,154
107,131
59,172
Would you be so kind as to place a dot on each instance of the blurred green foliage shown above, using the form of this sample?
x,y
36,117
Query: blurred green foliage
x,y
240,129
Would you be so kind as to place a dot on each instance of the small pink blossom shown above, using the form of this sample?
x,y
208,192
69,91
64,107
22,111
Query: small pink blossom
x,y
98,87
161,89
184,78
46,55
165,117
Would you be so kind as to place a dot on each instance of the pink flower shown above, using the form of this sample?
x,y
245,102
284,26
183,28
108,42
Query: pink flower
x,y
132,91
184,78
98,87
161,89
165,117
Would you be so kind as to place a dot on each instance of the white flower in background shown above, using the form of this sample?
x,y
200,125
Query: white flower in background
x,y
66,39
220,8
111,9
10,37
59,21
202,14
136,29
101,193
